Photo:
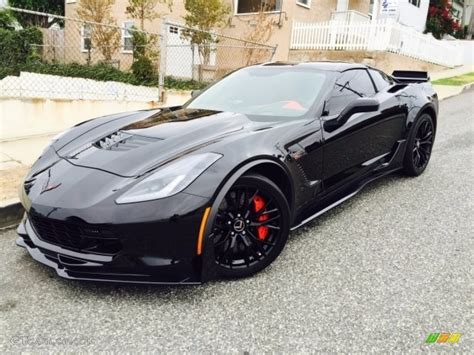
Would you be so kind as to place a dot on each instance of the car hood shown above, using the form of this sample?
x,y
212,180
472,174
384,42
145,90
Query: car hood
x,y
132,148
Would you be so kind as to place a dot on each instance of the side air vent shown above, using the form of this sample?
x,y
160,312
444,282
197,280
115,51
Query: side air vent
x,y
120,141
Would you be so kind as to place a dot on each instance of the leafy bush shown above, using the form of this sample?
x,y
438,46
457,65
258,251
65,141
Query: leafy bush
x,y
140,43
27,20
143,69
441,20
144,55
7,21
100,72
7,71
18,47
180,84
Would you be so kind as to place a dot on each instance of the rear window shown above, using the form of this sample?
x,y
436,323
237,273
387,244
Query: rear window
x,y
381,80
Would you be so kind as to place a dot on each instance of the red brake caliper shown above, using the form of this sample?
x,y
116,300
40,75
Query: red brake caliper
x,y
258,205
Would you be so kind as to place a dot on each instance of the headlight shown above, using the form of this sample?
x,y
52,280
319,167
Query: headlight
x,y
170,179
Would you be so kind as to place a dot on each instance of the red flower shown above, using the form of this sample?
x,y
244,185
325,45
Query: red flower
x,y
433,11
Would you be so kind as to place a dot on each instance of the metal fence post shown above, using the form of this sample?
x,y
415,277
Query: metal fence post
x,y
273,52
163,55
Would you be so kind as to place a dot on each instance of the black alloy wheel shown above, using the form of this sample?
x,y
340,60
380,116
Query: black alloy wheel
x,y
251,227
419,146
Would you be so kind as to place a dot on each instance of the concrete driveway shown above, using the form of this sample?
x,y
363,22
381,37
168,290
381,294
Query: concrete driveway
x,y
378,273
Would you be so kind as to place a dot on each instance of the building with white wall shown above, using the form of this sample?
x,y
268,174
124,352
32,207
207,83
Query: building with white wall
x,y
411,13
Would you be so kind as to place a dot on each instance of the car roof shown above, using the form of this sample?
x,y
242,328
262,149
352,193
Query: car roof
x,y
319,65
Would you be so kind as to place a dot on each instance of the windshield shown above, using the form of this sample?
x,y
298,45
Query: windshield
x,y
267,91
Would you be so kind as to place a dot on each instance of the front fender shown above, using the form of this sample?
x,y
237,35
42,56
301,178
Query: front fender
x,y
208,270
225,172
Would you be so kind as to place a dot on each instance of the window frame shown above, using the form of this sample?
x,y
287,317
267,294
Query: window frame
x,y
126,30
383,75
173,29
83,37
368,74
334,88
236,9
306,6
416,3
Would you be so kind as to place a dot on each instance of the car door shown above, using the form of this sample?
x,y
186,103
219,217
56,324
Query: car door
x,y
365,138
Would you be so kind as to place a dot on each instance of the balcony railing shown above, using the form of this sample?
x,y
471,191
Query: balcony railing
x,y
382,35
349,16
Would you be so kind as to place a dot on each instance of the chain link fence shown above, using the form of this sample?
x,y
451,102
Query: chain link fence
x,y
205,57
75,59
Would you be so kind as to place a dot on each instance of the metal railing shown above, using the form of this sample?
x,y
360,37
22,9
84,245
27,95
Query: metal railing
x,y
349,16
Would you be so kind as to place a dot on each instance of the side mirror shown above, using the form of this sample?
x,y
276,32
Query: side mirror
x,y
195,93
363,104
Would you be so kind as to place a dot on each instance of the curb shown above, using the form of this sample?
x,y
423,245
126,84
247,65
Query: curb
x,y
458,92
467,87
10,214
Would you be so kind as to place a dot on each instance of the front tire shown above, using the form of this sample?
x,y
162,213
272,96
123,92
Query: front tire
x,y
251,227
419,146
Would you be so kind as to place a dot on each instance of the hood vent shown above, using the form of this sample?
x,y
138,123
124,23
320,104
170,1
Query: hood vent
x,y
121,142
28,184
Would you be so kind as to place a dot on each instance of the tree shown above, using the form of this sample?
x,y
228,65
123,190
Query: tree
x,y
104,37
145,10
145,52
55,7
261,33
204,16
145,48
7,21
441,20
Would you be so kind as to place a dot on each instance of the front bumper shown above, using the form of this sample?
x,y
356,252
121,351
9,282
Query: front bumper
x,y
76,227
130,265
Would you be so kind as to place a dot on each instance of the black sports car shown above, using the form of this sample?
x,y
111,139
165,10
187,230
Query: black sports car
x,y
213,188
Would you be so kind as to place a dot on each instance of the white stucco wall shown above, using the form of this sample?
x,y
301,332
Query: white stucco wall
x,y
35,117
403,11
45,86
468,50
413,16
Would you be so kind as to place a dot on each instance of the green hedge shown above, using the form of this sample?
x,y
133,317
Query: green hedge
x,y
19,53
100,72
180,84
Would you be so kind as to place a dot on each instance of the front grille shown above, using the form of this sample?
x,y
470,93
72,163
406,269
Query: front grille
x,y
77,236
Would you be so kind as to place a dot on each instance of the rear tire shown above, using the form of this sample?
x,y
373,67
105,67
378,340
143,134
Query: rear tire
x,y
419,146
251,227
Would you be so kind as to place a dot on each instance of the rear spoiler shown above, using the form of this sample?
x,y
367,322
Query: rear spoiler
x,y
411,76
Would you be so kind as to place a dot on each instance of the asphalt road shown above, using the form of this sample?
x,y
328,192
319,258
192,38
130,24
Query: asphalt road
x,y
378,273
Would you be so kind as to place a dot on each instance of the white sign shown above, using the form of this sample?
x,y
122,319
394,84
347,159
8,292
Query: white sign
x,y
389,9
